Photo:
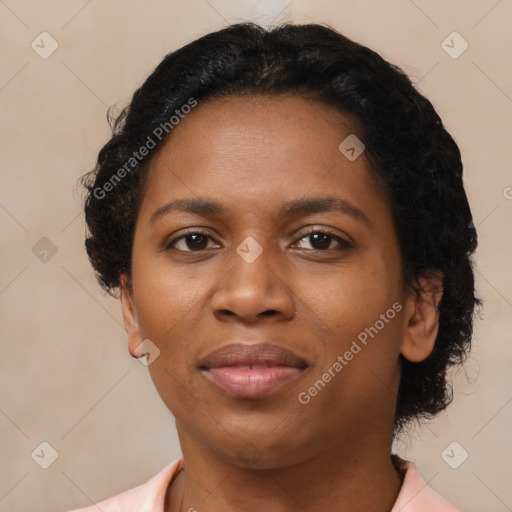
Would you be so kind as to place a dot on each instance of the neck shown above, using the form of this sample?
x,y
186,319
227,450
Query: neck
x,y
356,477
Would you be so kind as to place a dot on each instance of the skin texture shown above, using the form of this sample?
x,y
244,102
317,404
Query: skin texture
x,y
252,154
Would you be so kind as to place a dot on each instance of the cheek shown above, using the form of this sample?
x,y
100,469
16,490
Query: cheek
x,y
360,367
166,296
352,298
357,312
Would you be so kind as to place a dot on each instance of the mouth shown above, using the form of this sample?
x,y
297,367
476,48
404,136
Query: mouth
x,y
251,371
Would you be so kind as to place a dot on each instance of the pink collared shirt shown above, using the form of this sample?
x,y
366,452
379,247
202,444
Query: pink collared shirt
x,y
414,496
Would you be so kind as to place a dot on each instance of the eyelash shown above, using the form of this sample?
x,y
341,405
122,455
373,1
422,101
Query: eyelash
x,y
343,243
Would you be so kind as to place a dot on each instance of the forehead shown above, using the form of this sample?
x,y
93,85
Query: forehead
x,y
272,120
259,150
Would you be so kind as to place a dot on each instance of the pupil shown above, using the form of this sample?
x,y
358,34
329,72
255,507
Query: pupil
x,y
195,240
321,238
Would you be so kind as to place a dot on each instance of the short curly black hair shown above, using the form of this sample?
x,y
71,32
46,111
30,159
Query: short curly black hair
x,y
414,158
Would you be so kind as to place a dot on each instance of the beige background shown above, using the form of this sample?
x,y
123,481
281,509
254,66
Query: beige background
x,y
66,375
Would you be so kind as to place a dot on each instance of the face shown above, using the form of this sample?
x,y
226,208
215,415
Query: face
x,y
299,251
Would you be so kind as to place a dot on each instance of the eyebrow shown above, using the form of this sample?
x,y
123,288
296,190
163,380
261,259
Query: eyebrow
x,y
205,208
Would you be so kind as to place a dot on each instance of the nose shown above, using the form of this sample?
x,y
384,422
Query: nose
x,y
253,290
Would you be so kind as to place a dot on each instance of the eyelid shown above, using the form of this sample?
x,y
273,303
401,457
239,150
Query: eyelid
x,y
344,239
344,242
192,231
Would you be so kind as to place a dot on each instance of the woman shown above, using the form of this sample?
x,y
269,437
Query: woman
x,y
285,218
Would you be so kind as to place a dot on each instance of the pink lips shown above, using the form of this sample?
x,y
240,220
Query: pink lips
x,y
251,371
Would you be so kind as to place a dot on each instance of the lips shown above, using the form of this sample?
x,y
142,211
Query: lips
x,y
246,355
251,371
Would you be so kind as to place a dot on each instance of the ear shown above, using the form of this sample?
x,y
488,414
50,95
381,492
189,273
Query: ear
x,y
130,317
422,317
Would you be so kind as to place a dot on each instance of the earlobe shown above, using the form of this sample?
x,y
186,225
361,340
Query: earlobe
x,y
130,316
422,318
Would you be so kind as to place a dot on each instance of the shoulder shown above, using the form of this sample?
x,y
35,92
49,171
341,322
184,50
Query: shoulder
x,y
147,497
415,495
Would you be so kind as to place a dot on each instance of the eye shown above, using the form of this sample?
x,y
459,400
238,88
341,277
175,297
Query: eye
x,y
197,240
322,240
